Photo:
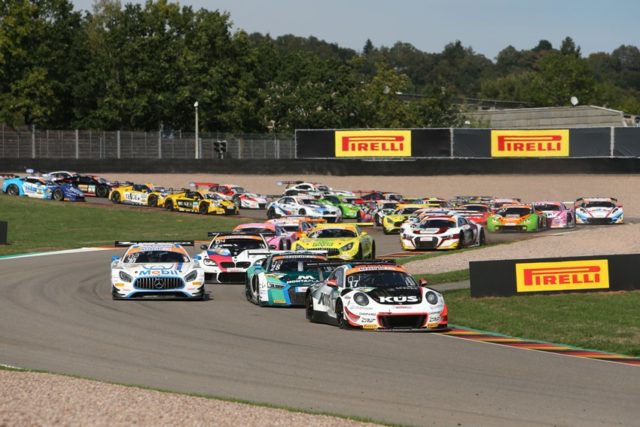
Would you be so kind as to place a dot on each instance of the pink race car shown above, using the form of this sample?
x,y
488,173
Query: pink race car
x,y
275,235
558,215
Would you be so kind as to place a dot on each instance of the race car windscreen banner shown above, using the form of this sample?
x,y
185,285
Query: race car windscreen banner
x,y
373,143
553,275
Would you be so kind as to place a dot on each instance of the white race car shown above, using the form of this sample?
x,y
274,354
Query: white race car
x,y
375,295
252,201
228,255
303,206
156,270
598,210
443,232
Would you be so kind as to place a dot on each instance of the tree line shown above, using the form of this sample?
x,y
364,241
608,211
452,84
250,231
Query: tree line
x,y
142,67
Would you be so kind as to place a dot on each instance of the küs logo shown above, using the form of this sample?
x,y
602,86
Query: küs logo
x,y
400,299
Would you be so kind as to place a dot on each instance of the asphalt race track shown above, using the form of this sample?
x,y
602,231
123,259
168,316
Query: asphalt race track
x,y
56,314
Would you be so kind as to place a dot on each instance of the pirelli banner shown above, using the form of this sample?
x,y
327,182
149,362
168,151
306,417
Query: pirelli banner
x,y
539,143
373,143
553,275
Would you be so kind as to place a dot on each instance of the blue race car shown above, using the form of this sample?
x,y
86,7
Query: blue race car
x,y
41,188
282,278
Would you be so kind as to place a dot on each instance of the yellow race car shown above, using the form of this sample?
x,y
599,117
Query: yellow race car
x,y
345,241
200,202
138,194
393,222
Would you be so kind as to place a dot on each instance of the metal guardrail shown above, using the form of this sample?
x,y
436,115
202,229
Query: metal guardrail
x,y
91,144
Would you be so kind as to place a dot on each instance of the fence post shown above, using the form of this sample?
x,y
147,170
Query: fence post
x,y
451,142
77,144
33,141
160,143
118,144
612,141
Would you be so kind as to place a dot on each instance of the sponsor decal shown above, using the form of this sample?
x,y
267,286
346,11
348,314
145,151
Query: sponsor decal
x,y
399,299
530,143
562,276
373,143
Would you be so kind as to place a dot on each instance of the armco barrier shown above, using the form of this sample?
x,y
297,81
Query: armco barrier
x,y
553,275
342,167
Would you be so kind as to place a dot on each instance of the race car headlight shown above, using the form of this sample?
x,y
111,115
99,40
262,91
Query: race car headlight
x,y
125,277
432,298
191,276
347,247
209,262
361,299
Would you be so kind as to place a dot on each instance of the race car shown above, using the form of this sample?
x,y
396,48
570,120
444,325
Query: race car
x,y
275,235
557,213
252,201
38,187
302,206
197,202
349,210
90,185
375,295
239,195
282,278
598,210
156,270
228,256
374,195
299,226
137,194
342,241
521,217
476,212
499,203
392,223
443,232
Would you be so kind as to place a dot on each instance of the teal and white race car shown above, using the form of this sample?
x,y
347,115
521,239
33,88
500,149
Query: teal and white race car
x,y
282,278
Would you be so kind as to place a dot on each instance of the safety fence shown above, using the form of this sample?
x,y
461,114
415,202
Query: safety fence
x,y
87,144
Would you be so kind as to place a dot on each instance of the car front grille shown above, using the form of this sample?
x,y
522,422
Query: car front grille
x,y
228,264
158,283
262,206
425,244
402,322
232,277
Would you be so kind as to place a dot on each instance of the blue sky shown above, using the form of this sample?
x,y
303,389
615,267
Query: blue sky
x,y
488,26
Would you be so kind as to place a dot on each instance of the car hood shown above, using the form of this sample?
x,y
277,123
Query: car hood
x,y
157,270
298,278
395,296
326,243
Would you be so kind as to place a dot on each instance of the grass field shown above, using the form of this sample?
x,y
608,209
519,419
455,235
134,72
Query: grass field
x,y
606,321
41,225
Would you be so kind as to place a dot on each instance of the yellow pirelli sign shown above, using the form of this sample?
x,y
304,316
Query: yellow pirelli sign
x,y
562,275
373,143
530,143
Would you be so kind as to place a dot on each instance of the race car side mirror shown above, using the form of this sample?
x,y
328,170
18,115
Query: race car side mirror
x,y
203,247
423,282
332,283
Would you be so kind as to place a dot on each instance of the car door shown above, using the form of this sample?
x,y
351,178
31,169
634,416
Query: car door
x,y
326,297
466,230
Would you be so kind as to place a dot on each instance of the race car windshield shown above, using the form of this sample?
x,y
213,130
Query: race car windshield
x,y
238,189
307,201
256,230
380,279
437,223
331,233
235,246
159,257
397,197
547,207
477,208
405,211
388,206
291,228
599,205
515,211
292,265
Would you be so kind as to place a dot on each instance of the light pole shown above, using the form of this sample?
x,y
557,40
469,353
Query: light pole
x,y
195,105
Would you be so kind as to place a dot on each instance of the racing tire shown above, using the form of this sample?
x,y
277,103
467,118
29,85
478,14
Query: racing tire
x,y
373,251
13,190
271,213
203,208
169,205
152,201
115,197
483,238
256,290
384,230
247,291
58,195
102,191
309,312
359,254
342,322
302,212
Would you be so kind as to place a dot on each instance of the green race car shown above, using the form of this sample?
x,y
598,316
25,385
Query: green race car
x,y
282,278
517,218
349,210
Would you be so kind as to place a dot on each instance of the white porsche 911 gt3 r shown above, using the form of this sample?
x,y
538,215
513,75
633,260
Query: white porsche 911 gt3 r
x,y
375,295
156,270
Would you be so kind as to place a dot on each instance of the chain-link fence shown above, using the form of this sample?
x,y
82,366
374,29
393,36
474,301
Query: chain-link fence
x,y
88,144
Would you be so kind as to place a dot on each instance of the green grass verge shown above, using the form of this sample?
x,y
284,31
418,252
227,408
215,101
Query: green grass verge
x,y
219,398
448,277
41,225
603,321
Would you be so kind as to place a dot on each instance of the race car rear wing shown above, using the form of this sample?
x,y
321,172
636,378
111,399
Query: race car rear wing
x,y
353,262
121,244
